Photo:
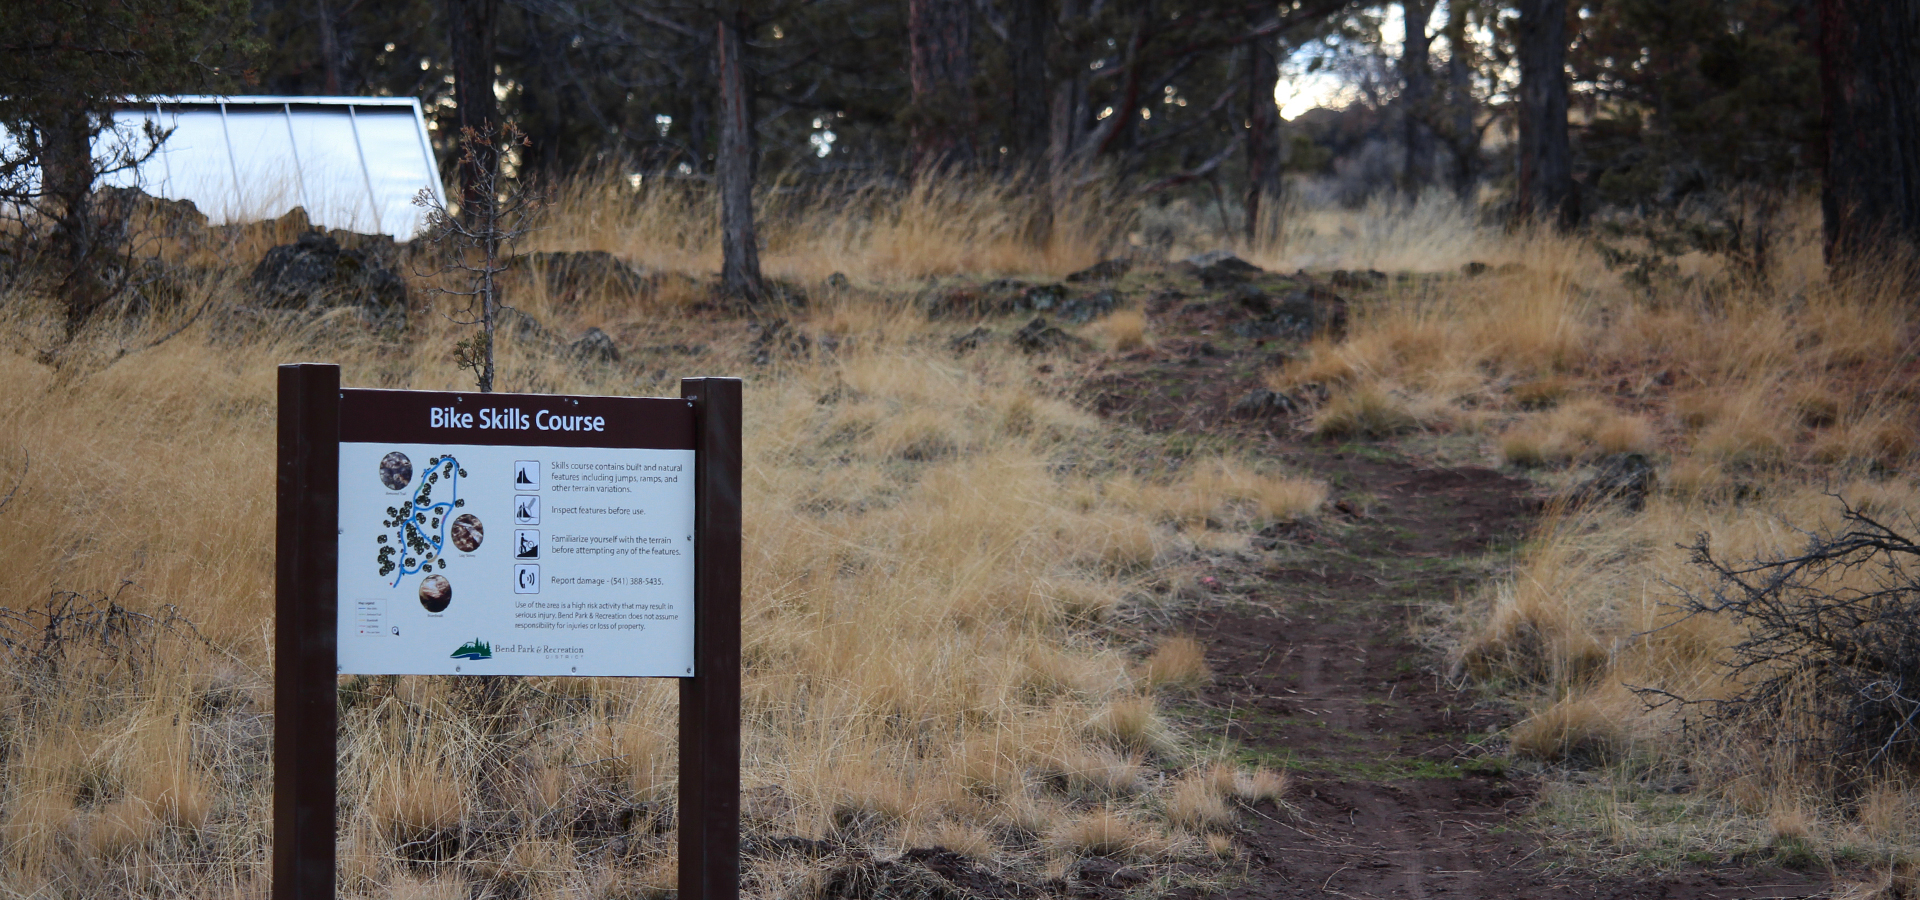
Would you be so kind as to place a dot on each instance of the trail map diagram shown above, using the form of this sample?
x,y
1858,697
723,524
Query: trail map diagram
x,y
419,526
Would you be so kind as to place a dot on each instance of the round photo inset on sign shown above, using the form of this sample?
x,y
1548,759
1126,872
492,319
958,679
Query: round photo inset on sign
x,y
468,532
396,471
435,593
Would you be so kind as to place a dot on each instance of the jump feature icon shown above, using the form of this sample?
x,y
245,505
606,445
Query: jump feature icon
x,y
526,475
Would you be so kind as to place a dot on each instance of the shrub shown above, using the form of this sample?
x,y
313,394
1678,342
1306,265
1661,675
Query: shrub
x,y
1831,656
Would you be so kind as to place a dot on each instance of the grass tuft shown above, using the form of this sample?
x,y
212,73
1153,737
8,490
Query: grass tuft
x,y
1178,662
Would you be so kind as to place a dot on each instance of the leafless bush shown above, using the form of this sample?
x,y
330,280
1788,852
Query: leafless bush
x,y
81,637
1831,656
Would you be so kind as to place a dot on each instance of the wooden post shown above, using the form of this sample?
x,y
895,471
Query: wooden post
x,y
305,579
709,808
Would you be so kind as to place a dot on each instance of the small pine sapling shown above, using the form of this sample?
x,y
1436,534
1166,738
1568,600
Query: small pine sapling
x,y
473,244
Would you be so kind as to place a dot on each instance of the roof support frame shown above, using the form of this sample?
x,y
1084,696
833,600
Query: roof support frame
x,y
233,163
299,173
373,199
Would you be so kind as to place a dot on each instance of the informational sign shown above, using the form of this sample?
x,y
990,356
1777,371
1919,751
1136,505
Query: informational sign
x,y
515,534
504,534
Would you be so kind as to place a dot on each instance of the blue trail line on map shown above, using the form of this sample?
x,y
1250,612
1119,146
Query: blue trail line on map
x,y
436,542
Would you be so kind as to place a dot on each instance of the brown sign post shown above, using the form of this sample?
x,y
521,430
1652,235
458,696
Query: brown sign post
x,y
308,627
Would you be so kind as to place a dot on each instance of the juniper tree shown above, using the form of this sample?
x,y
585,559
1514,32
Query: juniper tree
x,y
64,66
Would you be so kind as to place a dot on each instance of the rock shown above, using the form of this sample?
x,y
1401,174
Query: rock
x,y
964,873
571,275
1221,269
1251,299
970,341
315,272
1003,296
861,877
1042,297
921,873
1107,873
1301,313
594,346
777,338
1221,258
1475,269
962,302
1090,307
296,221
1104,270
1039,337
1313,312
145,212
1626,477
1261,403
1367,280
838,281
997,297
522,326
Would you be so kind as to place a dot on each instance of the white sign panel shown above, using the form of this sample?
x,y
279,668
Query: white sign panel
x,y
502,534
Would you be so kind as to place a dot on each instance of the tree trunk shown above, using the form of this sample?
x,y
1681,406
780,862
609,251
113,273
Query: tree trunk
x,y
1416,99
67,173
1067,113
1870,88
1263,133
1027,33
470,30
1545,183
1027,47
940,36
733,165
1463,136
329,47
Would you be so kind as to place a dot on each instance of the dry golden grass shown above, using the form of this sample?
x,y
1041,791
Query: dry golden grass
x,y
1568,363
1179,662
1370,411
1260,785
1197,803
1123,331
872,233
1579,429
1108,832
928,590
1221,490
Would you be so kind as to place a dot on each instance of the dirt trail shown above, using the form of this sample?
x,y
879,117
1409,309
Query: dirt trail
x,y
1313,639
1319,671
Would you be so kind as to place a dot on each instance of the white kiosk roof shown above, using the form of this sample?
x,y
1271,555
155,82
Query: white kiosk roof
x,y
353,162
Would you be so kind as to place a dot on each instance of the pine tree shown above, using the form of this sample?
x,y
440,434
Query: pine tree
x,y
64,66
